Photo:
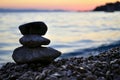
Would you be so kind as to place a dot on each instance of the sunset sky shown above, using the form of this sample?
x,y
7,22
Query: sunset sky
x,y
53,4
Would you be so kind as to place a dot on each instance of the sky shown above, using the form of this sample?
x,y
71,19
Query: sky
x,y
53,4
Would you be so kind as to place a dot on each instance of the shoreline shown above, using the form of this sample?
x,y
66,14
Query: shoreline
x,y
104,66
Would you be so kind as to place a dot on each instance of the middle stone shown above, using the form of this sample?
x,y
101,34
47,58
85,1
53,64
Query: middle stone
x,y
33,41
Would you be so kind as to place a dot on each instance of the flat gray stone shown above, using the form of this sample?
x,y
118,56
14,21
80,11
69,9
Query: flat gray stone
x,y
31,55
39,28
33,41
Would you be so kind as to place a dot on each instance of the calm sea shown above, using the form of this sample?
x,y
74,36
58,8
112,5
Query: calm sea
x,y
72,33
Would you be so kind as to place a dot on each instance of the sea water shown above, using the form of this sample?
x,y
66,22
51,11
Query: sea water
x,y
72,33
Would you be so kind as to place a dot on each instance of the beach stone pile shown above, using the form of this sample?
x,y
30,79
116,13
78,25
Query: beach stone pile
x,y
32,50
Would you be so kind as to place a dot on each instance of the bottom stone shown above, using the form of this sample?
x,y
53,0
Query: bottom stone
x,y
29,55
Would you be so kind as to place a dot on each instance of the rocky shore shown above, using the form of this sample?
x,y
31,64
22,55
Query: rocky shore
x,y
105,66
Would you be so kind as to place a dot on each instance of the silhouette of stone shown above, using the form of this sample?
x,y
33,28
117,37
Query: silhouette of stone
x,y
39,28
39,54
33,41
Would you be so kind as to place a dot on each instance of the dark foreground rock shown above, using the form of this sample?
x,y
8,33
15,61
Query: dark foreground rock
x,y
105,66
39,54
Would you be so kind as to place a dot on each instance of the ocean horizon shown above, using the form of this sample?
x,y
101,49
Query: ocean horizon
x,y
72,33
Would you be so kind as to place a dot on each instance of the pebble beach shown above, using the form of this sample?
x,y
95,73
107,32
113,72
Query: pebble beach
x,y
104,66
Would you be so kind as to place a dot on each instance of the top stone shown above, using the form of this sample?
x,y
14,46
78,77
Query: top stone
x,y
39,28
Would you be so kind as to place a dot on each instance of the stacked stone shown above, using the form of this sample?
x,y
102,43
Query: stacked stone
x,y
32,41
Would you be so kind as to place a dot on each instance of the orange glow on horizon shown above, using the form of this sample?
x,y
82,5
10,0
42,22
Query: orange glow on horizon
x,y
54,4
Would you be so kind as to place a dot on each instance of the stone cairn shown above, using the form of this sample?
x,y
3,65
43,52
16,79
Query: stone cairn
x,y
32,41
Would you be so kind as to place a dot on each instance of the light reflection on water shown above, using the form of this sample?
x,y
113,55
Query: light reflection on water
x,y
67,31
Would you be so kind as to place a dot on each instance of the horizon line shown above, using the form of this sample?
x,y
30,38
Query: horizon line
x,y
32,9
